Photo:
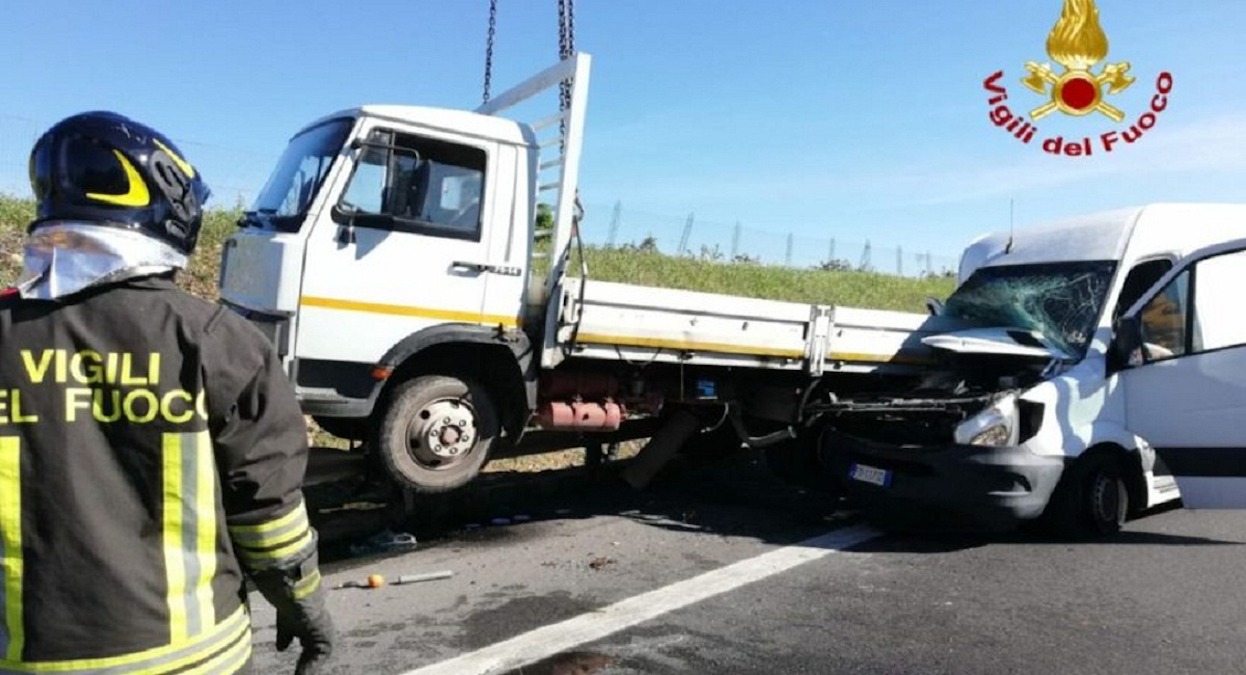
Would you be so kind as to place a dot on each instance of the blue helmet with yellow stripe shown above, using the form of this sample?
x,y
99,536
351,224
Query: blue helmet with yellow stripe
x,y
104,168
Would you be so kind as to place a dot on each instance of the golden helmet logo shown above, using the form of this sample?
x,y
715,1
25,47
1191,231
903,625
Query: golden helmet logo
x,y
1078,44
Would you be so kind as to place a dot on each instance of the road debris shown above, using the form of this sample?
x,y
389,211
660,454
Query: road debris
x,y
600,562
417,578
354,506
377,581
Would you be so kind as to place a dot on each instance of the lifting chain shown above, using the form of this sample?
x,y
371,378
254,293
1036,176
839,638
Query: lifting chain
x,y
566,45
493,21
566,50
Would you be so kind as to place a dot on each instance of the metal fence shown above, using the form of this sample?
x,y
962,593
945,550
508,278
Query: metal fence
x,y
614,225
236,175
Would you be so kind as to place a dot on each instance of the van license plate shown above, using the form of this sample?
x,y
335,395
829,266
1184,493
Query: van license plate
x,y
869,474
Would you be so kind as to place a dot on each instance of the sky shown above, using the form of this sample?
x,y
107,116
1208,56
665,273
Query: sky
x,y
858,121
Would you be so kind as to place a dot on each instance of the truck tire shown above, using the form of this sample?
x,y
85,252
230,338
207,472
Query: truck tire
x,y
436,433
1091,501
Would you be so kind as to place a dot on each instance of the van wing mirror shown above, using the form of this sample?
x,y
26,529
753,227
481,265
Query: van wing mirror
x,y
934,306
1127,349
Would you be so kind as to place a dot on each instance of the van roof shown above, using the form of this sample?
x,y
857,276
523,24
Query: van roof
x,y
447,119
1176,227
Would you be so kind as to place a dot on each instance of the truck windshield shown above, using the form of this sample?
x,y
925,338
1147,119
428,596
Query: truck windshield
x,y
299,173
1060,300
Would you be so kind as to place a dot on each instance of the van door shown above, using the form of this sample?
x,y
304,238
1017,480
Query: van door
x,y
1185,387
394,255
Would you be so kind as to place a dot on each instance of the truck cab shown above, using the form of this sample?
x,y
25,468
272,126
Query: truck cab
x,y
394,243
1092,378
410,217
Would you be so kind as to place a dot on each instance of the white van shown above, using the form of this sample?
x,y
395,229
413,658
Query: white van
x,y
1100,371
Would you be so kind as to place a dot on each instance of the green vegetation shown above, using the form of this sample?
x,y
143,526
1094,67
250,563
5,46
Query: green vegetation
x,y
836,287
638,264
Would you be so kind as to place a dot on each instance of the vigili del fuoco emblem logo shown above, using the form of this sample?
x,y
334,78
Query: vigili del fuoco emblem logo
x,y
1078,87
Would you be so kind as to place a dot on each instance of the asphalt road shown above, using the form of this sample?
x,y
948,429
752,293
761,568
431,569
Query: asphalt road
x,y
713,554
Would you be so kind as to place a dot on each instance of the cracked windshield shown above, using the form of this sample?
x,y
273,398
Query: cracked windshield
x,y
1061,301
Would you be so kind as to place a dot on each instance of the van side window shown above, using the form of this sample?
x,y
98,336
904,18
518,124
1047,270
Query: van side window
x,y
1218,320
428,186
1164,320
1199,311
1141,278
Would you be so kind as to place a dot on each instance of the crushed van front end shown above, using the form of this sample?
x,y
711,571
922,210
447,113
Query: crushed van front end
x,y
956,449
989,487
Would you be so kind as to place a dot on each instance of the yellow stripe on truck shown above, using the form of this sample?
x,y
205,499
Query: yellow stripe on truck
x,y
727,348
878,358
408,310
686,345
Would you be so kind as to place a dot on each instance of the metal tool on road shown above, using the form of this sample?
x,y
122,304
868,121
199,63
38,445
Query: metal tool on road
x,y
417,578
377,581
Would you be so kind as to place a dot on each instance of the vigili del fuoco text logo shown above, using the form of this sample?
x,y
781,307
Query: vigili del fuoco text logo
x,y
1077,43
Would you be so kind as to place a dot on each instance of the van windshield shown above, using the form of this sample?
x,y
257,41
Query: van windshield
x,y
299,174
1062,301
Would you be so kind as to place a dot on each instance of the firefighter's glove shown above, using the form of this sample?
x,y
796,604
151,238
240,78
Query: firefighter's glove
x,y
311,624
299,599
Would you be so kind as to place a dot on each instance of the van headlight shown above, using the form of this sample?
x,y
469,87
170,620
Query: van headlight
x,y
994,427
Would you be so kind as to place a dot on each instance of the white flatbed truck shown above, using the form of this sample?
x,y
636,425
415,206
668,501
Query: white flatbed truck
x,y
392,257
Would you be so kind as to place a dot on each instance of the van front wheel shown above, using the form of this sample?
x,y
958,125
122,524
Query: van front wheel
x,y
1092,500
436,433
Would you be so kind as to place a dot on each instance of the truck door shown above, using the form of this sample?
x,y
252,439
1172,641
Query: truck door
x,y
396,253
1185,388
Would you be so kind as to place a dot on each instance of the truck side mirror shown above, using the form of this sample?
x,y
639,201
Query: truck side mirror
x,y
1127,349
934,306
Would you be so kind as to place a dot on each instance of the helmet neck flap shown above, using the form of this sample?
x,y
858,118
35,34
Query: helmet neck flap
x,y
66,257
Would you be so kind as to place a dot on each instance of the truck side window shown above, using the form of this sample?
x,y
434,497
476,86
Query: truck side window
x,y
427,186
1164,320
1141,278
1218,320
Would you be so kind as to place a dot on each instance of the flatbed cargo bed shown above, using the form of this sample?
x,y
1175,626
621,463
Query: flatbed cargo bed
x,y
650,324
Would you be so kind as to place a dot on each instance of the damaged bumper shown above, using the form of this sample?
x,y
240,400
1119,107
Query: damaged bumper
x,y
995,487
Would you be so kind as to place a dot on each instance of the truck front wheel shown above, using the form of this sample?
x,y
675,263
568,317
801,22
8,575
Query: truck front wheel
x,y
436,433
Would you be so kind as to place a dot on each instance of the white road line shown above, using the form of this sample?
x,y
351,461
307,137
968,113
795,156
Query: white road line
x,y
556,638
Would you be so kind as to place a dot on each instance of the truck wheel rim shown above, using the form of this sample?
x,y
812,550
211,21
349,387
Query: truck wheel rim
x,y
442,433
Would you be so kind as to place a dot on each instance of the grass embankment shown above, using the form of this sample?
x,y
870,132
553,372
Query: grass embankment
x,y
833,287
631,265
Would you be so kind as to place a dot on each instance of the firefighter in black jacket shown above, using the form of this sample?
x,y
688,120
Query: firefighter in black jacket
x,y
151,449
